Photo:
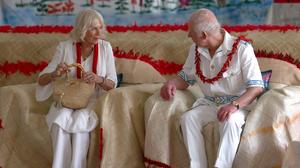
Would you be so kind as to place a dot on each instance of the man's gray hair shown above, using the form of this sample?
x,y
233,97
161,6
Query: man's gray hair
x,y
84,21
204,21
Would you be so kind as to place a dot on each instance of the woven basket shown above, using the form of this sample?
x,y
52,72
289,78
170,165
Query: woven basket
x,y
72,92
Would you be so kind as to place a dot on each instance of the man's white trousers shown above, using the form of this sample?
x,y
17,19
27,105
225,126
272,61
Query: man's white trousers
x,y
192,123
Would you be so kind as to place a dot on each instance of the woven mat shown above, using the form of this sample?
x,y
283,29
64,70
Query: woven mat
x,y
170,46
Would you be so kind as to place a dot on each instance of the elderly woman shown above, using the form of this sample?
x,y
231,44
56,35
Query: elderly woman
x,y
70,128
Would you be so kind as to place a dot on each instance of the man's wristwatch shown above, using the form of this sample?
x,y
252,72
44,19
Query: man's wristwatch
x,y
236,104
52,76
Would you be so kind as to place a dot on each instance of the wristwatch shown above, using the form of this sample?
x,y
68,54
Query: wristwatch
x,y
236,104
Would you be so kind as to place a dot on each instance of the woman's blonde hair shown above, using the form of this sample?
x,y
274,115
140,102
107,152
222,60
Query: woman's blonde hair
x,y
84,21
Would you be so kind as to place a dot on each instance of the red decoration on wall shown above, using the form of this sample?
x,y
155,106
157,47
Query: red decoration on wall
x,y
162,66
279,56
142,28
244,28
23,67
286,1
145,28
60,7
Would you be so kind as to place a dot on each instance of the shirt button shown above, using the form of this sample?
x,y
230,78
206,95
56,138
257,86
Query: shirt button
x,y
212,67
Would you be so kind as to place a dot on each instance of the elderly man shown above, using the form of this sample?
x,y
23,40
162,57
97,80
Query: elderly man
x,y
228,73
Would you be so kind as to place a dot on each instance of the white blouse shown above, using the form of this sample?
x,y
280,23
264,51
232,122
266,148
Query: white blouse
x,y
82,120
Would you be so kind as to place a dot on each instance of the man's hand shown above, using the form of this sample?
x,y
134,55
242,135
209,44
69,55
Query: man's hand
x,y
244,100
170,87
225,112
168,90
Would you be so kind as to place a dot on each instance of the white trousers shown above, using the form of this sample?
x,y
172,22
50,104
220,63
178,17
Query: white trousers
x,y
69,149
192,123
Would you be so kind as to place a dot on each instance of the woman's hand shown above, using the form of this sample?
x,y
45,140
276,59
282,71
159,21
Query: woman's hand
x,y
90,77
49,77
61,69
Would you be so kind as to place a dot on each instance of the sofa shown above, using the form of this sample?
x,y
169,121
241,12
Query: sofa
x,y
138,129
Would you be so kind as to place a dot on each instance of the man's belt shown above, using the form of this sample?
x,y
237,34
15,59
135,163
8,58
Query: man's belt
x,y
218,100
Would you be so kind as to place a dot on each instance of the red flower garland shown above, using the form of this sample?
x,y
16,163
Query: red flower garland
x,y
205,79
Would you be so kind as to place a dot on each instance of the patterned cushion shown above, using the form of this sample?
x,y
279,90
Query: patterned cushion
x,y
136,71
120,79
266,76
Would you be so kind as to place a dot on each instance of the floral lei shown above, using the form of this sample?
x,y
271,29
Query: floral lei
x,y
205,79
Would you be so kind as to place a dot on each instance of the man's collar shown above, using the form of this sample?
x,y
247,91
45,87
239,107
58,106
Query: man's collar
x,y
225,47
227,42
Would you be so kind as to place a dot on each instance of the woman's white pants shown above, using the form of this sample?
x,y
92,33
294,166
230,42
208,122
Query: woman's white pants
x,y
69,149
192,123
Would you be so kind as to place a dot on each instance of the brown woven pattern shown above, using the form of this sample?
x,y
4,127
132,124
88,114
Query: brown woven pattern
x,y
172,46
30,47
275,41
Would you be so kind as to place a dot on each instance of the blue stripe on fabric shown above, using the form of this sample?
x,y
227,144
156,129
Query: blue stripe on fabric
x,y
255,83
221,99
244,42
184,76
